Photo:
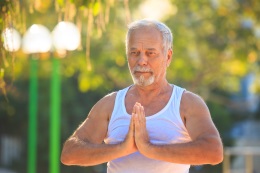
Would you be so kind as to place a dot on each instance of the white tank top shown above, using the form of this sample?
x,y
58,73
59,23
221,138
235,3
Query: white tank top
x,y
164,127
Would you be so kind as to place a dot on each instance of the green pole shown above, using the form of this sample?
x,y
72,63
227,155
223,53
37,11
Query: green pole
x,y
33,108
55,117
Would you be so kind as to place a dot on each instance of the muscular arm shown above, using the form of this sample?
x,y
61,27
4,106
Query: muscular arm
x,y
205,147
85,147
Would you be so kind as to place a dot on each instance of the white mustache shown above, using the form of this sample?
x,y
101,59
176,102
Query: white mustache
x,y
142,69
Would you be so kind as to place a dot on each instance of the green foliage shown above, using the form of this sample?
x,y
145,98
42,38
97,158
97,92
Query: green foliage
x,y
220,116
61,2
213,43
82,3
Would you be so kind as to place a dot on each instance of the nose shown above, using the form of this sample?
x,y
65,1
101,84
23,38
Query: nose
x,y
142,60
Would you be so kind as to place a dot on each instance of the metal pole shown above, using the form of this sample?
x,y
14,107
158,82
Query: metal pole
x,y
33,109
55,117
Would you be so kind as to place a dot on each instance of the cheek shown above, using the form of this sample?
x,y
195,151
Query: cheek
x,y
130,65
131,62
159,68
164,65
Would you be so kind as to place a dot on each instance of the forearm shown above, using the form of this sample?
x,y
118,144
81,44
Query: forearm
x,y
83,153
201,151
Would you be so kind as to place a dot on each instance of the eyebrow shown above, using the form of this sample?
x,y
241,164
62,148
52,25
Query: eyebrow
x,y
134,48
151,49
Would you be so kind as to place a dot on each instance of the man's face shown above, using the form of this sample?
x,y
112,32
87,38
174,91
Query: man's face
x,y
146,58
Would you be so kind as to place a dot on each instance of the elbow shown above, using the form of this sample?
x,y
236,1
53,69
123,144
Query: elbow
x,y
65,159
217,160
215,151
70,158
67,155
217,156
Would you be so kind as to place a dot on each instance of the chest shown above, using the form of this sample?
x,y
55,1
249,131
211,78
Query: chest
x,y
162,129
151,106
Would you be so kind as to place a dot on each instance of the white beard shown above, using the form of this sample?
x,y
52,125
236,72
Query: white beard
x,y
141,80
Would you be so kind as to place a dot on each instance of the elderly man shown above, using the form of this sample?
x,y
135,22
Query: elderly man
x,y
151,126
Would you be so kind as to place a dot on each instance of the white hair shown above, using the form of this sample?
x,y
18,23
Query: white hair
x,y
161,27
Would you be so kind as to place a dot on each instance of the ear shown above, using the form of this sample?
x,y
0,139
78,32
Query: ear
x,y
169,57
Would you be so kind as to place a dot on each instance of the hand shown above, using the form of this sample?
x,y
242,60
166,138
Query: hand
x,y
129,142
140,132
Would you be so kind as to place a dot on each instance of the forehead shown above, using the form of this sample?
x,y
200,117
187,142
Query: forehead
x,y
147,37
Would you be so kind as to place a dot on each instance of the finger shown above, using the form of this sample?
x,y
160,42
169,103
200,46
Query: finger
x,y
138,109
131,127
134,109
140,114
136,121
143,114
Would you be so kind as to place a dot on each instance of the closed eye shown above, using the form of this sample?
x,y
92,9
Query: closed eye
x,y
135,53
151,53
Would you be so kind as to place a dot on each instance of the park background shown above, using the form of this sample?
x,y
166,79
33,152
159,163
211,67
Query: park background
x,y
215,54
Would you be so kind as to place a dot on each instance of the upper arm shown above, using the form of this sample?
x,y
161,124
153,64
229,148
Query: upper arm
x,y
197,117
94,128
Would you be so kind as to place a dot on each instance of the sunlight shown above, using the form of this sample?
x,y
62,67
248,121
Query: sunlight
x,y
157,9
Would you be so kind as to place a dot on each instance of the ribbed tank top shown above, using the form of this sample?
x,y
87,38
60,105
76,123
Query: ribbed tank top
x,y
164,127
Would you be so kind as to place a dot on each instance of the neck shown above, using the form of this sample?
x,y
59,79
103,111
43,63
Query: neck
x,y
150,92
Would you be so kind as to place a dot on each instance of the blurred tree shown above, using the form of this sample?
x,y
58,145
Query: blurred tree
x,y
216,43
89,15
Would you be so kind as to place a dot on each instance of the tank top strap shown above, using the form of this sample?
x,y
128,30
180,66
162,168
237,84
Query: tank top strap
x,y
176,101
177,94
119,101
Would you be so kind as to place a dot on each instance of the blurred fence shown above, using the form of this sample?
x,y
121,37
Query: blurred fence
x,y
247,159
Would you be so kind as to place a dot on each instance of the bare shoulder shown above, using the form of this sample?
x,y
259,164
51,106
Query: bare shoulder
x,y
94,128
191,104
191,98
197,116
104,106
